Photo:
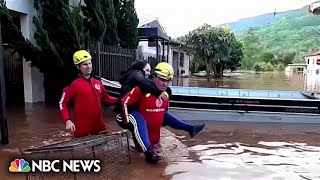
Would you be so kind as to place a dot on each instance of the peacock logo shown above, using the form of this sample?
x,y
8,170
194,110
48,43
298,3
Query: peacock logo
x,y
19,165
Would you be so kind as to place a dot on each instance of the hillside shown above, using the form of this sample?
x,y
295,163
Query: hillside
x,y
271,43
244,24
289,31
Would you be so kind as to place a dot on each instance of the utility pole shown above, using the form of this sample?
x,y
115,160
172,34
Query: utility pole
x,y
3,110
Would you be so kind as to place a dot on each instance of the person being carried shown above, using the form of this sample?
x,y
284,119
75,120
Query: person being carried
x,y
138,75
87,93
144,114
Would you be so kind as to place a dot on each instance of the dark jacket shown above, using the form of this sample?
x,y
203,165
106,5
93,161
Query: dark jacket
x,y
135,76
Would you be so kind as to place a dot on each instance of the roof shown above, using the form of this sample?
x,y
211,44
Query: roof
x,y
151,22
151,28
313,52
314,8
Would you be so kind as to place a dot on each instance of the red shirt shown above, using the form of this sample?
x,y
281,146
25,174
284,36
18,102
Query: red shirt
x,y
152,109
87,96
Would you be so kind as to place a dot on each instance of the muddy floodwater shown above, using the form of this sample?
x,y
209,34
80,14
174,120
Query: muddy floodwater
x,y
288,81
251,151
224,150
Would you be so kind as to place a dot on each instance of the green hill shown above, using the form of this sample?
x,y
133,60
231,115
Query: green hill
x,y
291,30
277,40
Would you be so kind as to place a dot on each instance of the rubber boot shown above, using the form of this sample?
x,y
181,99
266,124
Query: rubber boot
x,y
196,129
151,157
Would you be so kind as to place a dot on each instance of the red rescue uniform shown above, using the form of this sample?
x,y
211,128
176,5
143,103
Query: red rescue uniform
x,y
152,109
87,95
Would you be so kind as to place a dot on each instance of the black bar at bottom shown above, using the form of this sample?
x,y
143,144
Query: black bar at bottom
x,y
3,113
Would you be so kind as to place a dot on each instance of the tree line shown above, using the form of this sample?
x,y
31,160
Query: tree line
x,y
62,28
262,47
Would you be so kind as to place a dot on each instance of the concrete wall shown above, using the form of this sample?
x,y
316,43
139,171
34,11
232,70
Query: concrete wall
x,y
33,79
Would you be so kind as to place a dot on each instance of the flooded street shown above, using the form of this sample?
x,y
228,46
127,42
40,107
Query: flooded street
x,y
222,151
256,80
251,151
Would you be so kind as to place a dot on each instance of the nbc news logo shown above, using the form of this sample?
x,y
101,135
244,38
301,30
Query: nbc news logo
x,y
20,165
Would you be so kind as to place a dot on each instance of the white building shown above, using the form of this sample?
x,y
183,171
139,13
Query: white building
x,y
24,11
312,60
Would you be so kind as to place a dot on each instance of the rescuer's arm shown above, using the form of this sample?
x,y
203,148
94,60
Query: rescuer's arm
x,y
106,98
130,99
66,97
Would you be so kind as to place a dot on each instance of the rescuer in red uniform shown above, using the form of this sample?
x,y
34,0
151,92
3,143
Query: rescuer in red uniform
x,y
87,93
147,114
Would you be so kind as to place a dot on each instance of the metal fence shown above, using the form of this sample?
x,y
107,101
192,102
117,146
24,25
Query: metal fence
x,y
111,149
109,61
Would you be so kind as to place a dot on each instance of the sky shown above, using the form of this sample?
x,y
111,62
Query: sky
x,y
178,20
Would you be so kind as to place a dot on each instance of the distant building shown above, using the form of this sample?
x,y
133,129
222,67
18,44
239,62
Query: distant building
x,y
312,60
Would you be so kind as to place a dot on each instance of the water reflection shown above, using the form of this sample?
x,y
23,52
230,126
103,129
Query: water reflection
x,y
295,81
265,160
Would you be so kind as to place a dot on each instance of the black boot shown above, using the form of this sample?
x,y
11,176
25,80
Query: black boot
x,y
151,157
196,129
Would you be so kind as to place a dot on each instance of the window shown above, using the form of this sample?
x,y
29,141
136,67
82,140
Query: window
x,y
181,59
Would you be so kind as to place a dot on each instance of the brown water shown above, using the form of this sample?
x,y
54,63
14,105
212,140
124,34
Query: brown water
x,y
253,80
244,151
222,151
37,125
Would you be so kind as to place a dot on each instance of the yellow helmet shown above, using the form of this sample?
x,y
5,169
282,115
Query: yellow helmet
x,y
81,56
164,70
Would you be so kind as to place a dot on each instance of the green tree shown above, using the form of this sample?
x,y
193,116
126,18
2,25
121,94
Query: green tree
x,y
267,57
236,56
61,29
12,35
58,43
252,49
217,47
298,59
229,51
200,44
100,19
288,57
295,31
127,23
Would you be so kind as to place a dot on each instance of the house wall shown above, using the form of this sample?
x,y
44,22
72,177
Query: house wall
x,y
32,78
186,62
312,66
